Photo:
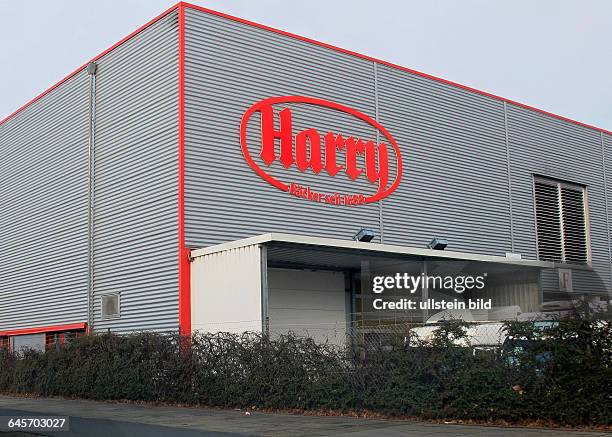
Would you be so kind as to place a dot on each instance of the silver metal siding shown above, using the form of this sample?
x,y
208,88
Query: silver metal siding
x,y
229,66
546,146
607,154
136,174
455,174
43,210
464,154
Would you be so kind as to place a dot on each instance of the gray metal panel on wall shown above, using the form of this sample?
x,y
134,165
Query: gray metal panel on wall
x,y
464,155
607,154
136,165
43,210
229,67
546,146
455,181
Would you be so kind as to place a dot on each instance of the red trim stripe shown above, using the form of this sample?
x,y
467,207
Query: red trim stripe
x,y
312,41
184,265
388,64
78,70
183,252
56,328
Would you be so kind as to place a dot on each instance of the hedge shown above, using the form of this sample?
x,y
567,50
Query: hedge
x,y
560,374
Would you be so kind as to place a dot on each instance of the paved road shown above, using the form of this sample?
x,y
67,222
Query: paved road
x,y
80,426
93,419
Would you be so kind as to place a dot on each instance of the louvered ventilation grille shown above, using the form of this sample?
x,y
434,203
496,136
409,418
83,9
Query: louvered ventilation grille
x,y
574,229
548,221
561,226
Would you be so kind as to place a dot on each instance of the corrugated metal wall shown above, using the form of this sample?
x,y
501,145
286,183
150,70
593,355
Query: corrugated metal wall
x,y
136,173
606,147
230,66
453,143
43,210
456,183
44,193
550,147
466,156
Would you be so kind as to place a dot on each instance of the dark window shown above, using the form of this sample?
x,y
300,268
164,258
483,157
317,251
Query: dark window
x,y
55,340
561,222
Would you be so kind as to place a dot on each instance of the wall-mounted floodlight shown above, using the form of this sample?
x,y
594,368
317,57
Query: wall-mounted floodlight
x,y
364,235
438,243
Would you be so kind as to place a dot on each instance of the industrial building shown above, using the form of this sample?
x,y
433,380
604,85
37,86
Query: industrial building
x,y
210,173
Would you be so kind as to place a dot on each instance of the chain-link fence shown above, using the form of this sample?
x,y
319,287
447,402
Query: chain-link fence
x,y
477,336
369,333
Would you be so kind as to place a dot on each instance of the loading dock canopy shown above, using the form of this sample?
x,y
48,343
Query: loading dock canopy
x,y
240,285
300,250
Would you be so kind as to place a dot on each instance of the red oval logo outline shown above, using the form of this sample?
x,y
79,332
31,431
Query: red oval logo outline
x,y
325,103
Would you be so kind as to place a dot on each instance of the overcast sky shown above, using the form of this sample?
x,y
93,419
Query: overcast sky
x,y
552,54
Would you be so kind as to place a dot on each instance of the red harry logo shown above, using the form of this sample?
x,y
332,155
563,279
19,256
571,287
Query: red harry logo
x,y
328,153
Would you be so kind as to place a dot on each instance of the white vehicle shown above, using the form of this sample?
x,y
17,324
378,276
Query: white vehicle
x,y
481,332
